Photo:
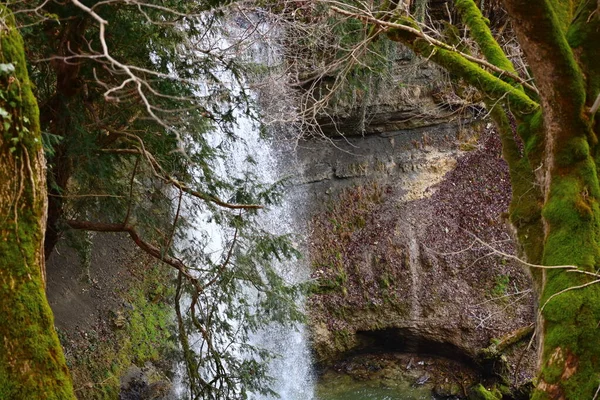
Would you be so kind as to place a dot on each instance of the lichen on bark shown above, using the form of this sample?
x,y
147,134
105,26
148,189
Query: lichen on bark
x,y
32,364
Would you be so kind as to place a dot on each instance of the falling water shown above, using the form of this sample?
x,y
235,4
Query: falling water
x,y
291,370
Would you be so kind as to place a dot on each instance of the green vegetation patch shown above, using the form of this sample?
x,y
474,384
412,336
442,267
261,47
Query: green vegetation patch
x,y
141,332
479,392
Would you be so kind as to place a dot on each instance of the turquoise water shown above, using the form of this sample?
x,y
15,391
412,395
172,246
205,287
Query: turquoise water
x,y
346,388
373,394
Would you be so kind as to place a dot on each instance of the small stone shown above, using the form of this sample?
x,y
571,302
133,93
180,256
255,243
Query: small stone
x,y
119,321
423,379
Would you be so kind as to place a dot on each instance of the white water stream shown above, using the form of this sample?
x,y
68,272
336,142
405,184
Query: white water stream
x,y
292,368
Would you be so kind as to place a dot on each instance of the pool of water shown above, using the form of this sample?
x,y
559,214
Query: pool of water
x,y
346,388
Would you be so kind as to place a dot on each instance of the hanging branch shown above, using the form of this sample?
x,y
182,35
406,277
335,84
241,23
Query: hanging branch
x,y
147,247
170,180
435,42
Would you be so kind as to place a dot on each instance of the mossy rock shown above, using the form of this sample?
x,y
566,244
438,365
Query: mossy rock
x,y
479,392
448,390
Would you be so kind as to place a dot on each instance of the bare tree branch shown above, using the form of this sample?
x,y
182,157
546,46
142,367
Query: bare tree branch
x,y
147,247
438,43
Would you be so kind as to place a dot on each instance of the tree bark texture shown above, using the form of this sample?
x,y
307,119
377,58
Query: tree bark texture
x,y
32,364
554,173
559,40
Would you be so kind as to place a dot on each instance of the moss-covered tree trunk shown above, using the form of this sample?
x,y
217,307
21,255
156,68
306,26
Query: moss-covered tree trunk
x,y
554,175
560,41
32,364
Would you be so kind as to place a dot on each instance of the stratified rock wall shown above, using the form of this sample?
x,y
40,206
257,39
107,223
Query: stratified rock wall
x,y
402,225
413,94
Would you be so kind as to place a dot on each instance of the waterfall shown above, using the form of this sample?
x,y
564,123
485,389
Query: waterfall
x,y
291,370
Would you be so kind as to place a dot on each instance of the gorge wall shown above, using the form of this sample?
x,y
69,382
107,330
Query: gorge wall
x,y
407,237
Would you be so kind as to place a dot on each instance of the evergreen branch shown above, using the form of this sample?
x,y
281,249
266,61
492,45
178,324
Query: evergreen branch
x,y
127,69
147,247
220,370
417,33
225,262
175,219
134,76
170,180
154,251
183,270
190,362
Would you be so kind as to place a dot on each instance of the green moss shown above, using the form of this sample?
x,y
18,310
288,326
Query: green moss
x,y
501,285
525,206
26,126
479,392
453,36
552,20
571,317
572,213
583,35
577,149
480,32
571,352
531,132
148,332
32,365
456,64
145,337
563,12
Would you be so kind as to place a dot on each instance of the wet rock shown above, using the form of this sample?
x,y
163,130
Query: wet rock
x,y
422,379
142,384
447,390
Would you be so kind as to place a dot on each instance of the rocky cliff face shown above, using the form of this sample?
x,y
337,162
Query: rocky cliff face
x,y
410,95
408,245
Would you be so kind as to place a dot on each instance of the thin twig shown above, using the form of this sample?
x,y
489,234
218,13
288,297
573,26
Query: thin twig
x,y
596,394
567,290
438,43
